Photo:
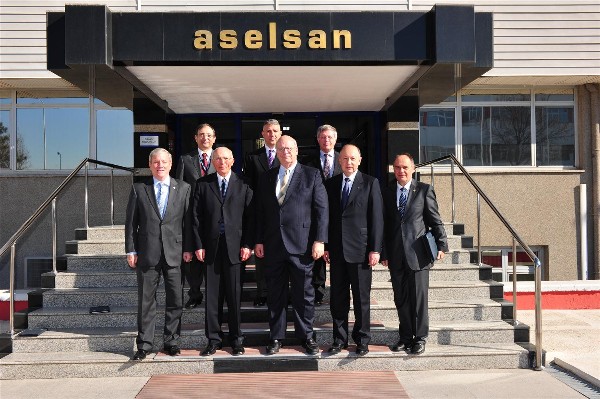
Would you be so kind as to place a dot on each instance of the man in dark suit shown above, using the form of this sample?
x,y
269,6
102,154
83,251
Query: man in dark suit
x,y
327,161
291,231
158,219
410,211
355,242
190,168
221,213
255,164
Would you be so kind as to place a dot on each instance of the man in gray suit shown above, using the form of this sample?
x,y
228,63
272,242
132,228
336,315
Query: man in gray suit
x,y
291,219
410,211
190,168
157,220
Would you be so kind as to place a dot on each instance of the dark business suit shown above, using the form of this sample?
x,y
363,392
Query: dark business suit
x,y
319,269
255,164
159,246
287,233
354,232
222,264
407,256
189,170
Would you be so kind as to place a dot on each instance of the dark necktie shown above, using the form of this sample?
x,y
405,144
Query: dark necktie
x,y
326,167
161,197
223,188
223,193
402,202
270,159
345,192
204,164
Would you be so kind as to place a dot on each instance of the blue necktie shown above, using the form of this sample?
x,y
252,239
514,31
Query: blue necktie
x,y
345,192
223,188
402,202
161,199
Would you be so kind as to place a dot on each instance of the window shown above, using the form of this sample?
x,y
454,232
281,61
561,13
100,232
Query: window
x,y
114,130
4,140
502,127
501,261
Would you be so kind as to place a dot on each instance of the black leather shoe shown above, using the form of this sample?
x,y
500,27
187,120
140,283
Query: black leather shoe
x,y
192,303
211,348
362,349
140,355
418,348
311,346
173,350
258,302
274,347
400,346
318,302
238,349
337,348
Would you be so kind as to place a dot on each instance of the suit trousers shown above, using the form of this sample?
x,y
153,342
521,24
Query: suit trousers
x,y
194,276
290,273
319,278
411,290
223,280
261,282
358,277
148,281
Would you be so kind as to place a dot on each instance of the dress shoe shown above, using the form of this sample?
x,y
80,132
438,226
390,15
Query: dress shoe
x,y
238,349
192,303
418,348
258,302
311,346
274,347
211,348
336,348
173,350
318,302
400,346
140,355
362,349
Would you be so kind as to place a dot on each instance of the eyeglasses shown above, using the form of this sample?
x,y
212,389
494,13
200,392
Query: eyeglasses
x,y
286,149
208,136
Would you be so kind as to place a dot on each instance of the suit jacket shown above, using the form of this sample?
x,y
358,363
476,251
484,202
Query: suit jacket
x,y
420,215
301,219
255,164
188,168
208,205
358,229
315,161
147,234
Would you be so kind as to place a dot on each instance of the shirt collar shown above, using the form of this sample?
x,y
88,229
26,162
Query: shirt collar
x,y
406,186
351,177
166,182
227,178
267,148
291,168
208,153
330,153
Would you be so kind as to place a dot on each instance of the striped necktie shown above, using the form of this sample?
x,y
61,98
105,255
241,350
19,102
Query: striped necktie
x,y
402,202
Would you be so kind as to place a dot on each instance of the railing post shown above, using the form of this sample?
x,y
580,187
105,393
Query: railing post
x,y
514,280
12,291
85,200
54,236
452,184
432,181
479,229
538,314
112,197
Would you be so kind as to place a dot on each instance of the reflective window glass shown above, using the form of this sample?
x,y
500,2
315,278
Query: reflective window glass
x,y
114,137
53,97
52,138
555,136
496,136
436,129
4,140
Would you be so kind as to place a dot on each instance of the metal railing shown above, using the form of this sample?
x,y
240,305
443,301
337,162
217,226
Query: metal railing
x,y
51,201
515,239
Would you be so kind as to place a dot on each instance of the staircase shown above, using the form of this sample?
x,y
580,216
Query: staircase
x,y
470,326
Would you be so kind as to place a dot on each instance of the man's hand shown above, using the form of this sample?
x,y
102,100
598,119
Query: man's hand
x,y
384,262
326,256
440,255
318,249
259,250
132,261
373,258
200,254
245,254
187,256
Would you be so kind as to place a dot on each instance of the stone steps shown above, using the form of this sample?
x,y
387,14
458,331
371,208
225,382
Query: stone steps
x,y
103,339
87,364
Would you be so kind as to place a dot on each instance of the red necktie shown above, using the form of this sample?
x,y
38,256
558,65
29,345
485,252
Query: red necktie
x,y
204,165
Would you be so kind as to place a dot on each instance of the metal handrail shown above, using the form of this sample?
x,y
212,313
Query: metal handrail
x,y
536,261
51,201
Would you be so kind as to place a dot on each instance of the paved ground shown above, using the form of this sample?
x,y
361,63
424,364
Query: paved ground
x,y
571,338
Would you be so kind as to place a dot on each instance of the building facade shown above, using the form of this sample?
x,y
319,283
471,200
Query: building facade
x,y
509,88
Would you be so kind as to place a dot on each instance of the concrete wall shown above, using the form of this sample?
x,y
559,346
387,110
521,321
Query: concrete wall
x,y
28,192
